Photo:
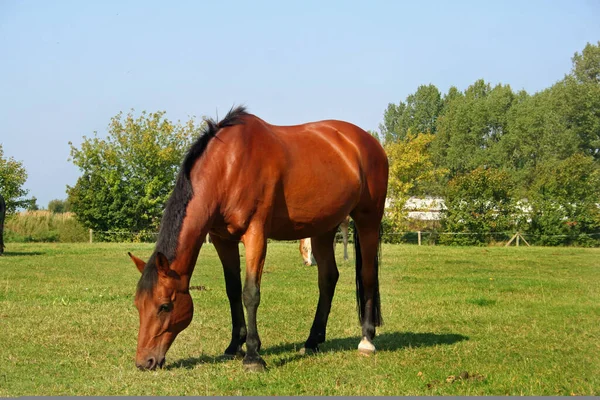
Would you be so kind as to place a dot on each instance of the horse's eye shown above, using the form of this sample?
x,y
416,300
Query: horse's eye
x,y
165,307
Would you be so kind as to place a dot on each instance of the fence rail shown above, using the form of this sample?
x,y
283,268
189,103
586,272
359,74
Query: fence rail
x,y
415,237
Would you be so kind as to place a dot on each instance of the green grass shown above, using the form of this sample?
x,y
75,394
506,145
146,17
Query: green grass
x,y
518,321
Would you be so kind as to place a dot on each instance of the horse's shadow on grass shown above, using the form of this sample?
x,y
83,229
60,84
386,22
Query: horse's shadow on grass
x,y
385,342
21,253
191,362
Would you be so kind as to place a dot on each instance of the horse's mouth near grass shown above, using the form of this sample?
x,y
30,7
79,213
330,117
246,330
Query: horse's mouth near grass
x,y
152,365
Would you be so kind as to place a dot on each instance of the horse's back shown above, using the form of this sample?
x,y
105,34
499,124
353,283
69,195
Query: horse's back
x,y
326,170
335,155
307,177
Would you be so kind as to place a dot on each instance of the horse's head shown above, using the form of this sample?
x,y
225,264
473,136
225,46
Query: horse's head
x,y
165,307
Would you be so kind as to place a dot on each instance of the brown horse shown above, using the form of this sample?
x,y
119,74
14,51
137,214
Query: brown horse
x,y
245,180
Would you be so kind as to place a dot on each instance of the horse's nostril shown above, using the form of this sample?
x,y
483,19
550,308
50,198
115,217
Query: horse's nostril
x,y
151,363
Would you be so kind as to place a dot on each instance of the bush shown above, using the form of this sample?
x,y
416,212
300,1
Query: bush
x,y
479,208
59,206
564,204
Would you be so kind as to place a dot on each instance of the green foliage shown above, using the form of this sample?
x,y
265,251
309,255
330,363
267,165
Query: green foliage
x,y
471,127
564,203
33,206
531,137
586,66
411,172
479,207
44,226
12,178
128,176
578,104
59,206
418,114
537,134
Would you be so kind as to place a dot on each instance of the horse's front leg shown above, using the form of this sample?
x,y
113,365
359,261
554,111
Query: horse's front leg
x,y
229,254
256,250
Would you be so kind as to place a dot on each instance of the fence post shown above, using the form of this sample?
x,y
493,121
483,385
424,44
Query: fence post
x,y
419,236
91,234
518,236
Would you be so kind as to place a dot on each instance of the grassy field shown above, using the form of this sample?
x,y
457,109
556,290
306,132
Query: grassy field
x,y
458,321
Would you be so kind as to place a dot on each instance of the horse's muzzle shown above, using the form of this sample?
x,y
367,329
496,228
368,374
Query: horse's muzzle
x,y
150,364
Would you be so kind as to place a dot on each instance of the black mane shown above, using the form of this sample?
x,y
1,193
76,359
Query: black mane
x,y
174,213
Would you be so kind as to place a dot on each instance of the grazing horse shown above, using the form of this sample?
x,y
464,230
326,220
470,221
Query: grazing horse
x,y
2,215
244,180
306,247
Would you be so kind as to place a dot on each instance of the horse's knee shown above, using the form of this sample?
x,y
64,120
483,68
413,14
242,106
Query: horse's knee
x,y
251,296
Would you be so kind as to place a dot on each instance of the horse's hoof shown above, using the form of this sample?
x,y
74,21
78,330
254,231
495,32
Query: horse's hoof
x,y
230,355
365,347
308,351
257,365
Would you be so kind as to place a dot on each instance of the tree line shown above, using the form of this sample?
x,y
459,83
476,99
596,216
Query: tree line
x,y
502,160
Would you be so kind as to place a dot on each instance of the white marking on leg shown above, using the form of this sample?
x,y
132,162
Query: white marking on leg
x,y
366,347
306,251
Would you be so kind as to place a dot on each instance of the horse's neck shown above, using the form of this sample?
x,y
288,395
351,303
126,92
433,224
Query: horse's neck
x,y
194,229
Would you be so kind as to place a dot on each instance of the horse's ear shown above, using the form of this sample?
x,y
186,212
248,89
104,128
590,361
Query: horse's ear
x,y
140,264
162,264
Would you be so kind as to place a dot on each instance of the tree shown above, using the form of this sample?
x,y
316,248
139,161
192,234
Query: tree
x,y
578,105
128,176
488,135
537,135
586,66
411,172
59,206
564,202
471,127
556,123
12,177
479,207
33,206
579,99
418,114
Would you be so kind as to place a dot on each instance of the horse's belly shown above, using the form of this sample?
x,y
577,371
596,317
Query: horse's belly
x,y
311,211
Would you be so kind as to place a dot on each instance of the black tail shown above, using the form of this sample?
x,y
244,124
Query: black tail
x,y
360,290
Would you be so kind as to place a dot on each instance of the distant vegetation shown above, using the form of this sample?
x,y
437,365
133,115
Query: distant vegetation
x,y
44,226
493,153
502,161
128,176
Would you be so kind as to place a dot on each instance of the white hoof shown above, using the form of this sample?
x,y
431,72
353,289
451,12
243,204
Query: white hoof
x,y
366,347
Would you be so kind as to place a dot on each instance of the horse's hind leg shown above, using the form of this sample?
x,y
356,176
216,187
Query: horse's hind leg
x,y
328,277
229,254
344,226
366,242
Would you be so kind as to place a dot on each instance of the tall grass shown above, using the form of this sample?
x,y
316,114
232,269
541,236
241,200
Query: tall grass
x,y
44,226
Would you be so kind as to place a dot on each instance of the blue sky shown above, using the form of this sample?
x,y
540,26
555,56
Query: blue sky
x,y
67,67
